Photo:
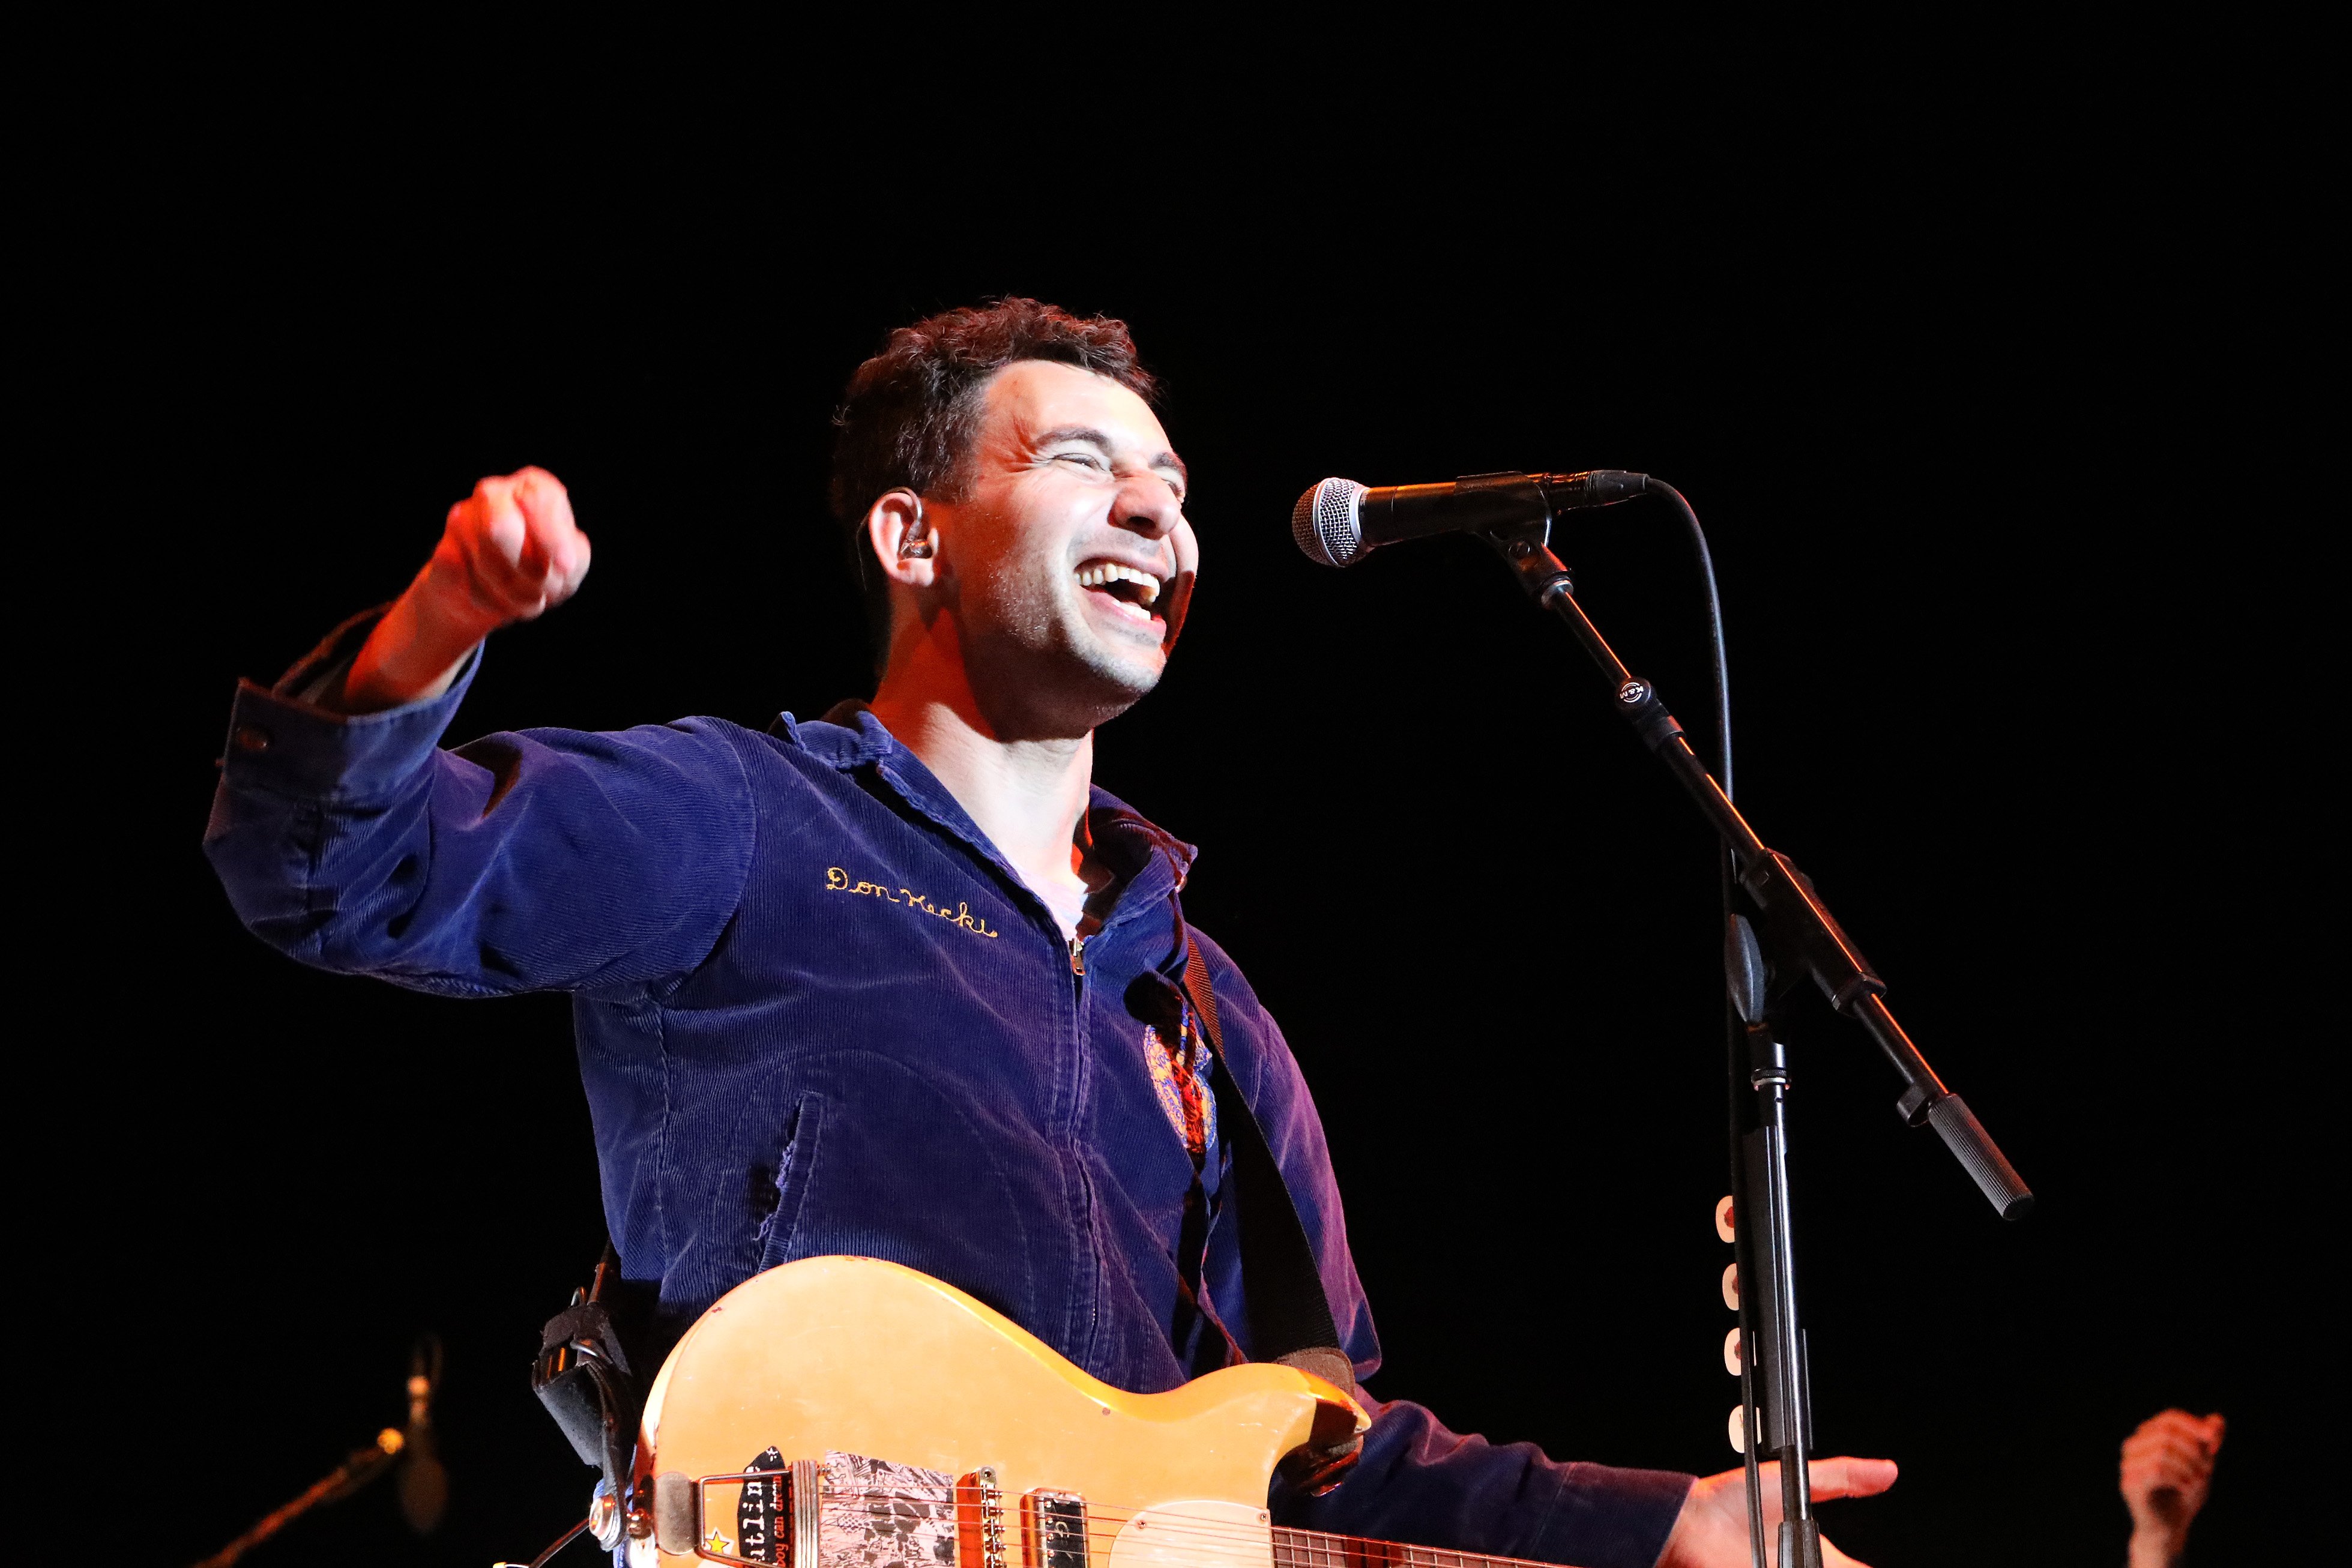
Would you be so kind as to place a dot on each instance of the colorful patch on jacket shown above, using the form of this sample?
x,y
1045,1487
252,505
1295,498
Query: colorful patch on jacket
x,y
1180,1076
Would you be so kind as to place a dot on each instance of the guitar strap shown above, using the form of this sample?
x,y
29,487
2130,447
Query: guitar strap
x,y
582,1375
1289,1314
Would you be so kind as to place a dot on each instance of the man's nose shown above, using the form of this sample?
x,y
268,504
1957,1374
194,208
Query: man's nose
x,y
1148,505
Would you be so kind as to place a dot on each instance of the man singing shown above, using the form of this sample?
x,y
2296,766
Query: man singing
x,y
899,982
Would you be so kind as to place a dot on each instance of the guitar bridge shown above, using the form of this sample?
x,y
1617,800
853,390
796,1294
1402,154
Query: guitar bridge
x,y
981,1521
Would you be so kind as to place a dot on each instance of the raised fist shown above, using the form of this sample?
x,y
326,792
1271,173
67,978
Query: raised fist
x,y
2168,1467
510,551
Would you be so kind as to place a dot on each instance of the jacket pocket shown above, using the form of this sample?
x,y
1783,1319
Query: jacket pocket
x,y
798,1163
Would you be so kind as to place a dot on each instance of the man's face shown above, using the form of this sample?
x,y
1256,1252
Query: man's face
x,y
1067,558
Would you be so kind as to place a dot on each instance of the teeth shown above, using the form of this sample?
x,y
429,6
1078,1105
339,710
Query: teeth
x,y
1102,572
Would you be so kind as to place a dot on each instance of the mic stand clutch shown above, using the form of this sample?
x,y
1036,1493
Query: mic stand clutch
x,y
1805,942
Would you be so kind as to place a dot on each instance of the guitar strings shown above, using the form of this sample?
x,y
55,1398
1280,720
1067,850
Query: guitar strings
x,y
1293,1548
1105,1522
1103,1525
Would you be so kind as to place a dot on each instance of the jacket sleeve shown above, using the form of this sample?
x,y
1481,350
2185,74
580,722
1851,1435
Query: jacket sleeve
x,y
1419,1483
541,859
1416,1481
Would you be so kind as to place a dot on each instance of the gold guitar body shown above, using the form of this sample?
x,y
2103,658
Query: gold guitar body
x,y
852,1357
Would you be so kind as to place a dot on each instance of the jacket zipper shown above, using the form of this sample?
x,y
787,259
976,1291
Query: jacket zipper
x,y
1082,1328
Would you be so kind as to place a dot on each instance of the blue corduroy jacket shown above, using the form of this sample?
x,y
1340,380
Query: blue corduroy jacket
x,y
817,1012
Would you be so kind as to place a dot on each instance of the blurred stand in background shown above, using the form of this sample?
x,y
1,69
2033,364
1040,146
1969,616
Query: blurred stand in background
x,y
423,1480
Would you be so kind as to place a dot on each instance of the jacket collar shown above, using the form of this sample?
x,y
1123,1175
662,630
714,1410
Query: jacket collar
x,y
1150,862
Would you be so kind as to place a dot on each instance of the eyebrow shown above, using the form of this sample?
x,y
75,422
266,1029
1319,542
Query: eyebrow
x,y
1089,434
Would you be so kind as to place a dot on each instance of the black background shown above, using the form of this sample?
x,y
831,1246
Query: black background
x,y
1964,415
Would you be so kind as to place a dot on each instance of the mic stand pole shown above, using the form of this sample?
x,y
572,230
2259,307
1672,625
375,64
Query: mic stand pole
x,y
362,1467
1805,941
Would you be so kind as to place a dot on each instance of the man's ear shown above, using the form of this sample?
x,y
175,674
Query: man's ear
x,y
899,533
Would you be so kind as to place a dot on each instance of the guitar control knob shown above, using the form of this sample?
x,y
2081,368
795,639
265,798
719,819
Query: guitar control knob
x,y
1723,1218
1731,1352
1732,1285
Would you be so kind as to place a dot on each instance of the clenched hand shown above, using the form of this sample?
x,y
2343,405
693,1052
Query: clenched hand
x,y
2168,1467
511,552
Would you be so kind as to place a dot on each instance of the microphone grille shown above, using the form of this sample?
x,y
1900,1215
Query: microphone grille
x,y
1324,523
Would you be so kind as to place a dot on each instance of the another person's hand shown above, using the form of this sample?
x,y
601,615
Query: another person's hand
x,y
1712,1529
511,552
2167,1467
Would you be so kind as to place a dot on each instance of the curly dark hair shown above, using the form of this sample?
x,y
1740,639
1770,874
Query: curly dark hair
x,y
910,413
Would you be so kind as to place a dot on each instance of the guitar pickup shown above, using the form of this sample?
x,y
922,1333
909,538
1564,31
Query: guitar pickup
x,y
1054,1530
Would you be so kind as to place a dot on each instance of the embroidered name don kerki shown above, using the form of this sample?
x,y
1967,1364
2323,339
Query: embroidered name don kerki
x,y
838,880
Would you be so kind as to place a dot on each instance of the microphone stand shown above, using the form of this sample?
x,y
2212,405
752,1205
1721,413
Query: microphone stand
x,y
1805,942
364,1466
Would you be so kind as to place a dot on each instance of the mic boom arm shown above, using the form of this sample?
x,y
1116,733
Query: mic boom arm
x,y
1795,917
1775,1401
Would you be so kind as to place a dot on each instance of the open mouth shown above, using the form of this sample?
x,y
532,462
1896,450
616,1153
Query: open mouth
x,y
1129,590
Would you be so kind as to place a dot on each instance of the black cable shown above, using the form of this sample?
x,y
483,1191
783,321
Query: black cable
x,y
566,1539
1734,1033
560,1541
1718,677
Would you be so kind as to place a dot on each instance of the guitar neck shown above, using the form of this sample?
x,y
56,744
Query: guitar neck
x,y
1314,1549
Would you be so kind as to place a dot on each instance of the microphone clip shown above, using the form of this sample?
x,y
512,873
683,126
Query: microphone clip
x,y
1525,545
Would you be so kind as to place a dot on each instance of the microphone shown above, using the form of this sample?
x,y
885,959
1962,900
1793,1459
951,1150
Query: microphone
x,y
1338,520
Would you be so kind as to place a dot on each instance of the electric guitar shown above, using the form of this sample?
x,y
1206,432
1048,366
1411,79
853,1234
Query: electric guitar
x,y
848,1413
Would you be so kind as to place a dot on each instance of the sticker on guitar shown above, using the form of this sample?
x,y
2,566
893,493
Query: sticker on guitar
x,y
870,1514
